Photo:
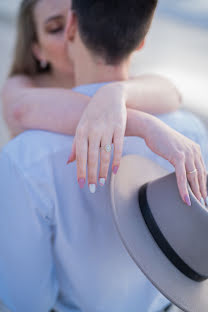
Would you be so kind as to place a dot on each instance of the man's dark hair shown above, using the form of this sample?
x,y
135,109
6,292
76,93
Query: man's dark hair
x,y
113,28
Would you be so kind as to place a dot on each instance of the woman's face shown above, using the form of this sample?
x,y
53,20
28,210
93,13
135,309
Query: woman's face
x,y
50,18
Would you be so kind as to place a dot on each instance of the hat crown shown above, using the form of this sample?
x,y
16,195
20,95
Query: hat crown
x,y
185,228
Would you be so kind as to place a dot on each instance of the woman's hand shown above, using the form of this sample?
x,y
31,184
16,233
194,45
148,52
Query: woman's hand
x,y
103,122
184,154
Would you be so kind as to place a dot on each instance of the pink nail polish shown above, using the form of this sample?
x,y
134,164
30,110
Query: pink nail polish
x,y
81,182
187,200
115,169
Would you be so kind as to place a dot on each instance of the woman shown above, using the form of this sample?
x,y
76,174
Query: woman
x,y
42,75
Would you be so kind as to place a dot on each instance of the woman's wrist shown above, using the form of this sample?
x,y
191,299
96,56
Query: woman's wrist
x,y
151,94
118,90
138,123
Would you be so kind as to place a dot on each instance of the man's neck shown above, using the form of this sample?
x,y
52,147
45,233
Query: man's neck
x,y
90,70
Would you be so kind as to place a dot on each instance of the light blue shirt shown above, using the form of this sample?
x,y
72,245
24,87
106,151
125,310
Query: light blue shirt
x,y
59,245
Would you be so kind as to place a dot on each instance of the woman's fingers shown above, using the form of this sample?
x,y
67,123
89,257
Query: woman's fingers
x,y
203,185
86,151
72,156
118,140
81,157
105,158
196,174
185,170
192,177
202,178
92,161
182,180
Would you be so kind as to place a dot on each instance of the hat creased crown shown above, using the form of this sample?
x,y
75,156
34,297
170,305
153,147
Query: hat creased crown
x,y
182,228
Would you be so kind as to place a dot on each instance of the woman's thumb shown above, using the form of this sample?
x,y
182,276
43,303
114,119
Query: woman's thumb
x,y
72,156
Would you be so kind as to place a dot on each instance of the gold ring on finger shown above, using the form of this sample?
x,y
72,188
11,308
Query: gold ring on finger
x,y
195,170
107,147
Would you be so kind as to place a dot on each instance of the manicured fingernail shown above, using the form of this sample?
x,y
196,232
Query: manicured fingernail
x,y
115,169
92,188
102,181
206,200
81,182
202,201
187,200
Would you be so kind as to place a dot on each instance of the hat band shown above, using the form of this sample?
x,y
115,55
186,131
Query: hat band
x,y
161,240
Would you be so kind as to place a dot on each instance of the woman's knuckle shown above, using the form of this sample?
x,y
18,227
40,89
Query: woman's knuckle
x,y
94,131
79,158
117,156
92,152
119,127
105,168
92,158
81,132
117,138
105,158
197,149
200,174
179,156
189,152
104,164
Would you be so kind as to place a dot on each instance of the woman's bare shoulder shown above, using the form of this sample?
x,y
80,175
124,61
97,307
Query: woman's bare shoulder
x,y
19,81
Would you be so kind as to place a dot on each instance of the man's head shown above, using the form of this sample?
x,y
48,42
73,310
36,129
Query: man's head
x,y
111,29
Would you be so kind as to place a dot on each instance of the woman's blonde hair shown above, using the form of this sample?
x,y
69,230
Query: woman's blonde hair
x,y
24,61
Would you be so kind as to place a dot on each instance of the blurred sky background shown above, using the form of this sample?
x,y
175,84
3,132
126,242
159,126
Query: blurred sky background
x,y
177,46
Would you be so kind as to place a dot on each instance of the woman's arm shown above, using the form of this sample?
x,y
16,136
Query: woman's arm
x,y
27,107
42,106
183,153
152,94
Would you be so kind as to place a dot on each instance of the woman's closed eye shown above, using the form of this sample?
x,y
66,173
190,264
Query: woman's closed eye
x,y
54,27
56,30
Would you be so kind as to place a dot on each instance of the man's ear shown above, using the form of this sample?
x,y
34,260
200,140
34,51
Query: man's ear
x,y
71,26
141,45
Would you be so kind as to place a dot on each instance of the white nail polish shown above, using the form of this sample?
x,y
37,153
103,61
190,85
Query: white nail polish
x,y
202,201
102,181
207,200
92,188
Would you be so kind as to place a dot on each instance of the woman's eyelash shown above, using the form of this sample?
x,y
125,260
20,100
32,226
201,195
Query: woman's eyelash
x,y
55,30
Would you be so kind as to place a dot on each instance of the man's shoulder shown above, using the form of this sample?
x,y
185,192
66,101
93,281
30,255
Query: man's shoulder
x,y
32,147
184,120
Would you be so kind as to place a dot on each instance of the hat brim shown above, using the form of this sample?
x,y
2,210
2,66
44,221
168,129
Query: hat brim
x,y
134,171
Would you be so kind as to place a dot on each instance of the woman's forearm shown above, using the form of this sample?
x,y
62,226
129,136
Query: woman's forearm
x,y
64,116
138,123
59,110
152,94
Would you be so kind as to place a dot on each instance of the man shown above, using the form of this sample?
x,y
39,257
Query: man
x,y
59,245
